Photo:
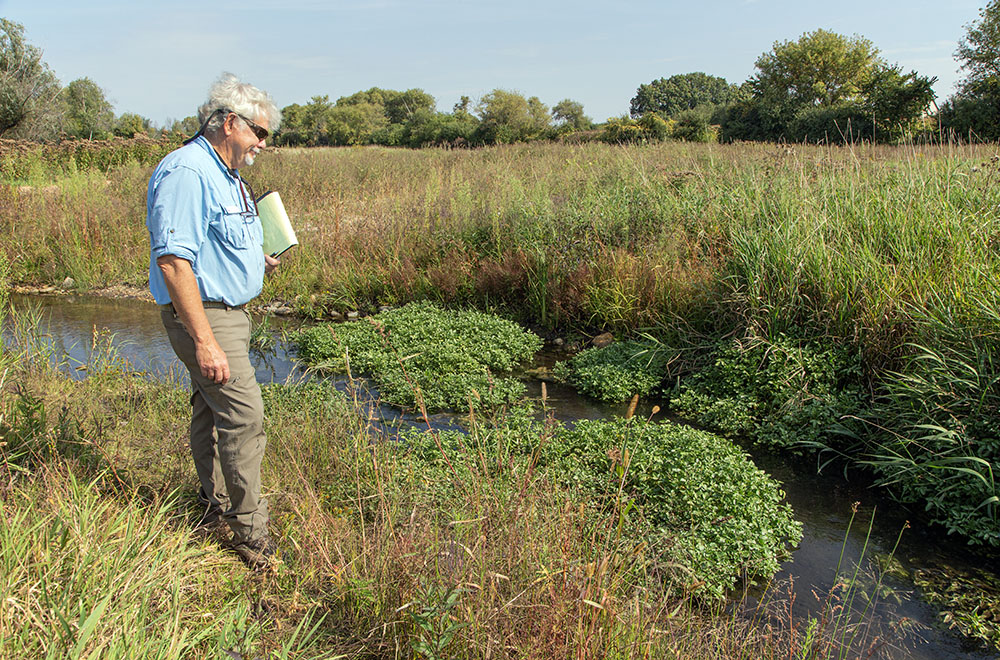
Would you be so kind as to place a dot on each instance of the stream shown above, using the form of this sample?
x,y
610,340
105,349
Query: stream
x,y
823,503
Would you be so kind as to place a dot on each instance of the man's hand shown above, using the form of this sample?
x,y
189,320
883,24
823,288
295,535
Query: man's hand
x,y
183,289
270,263
212,361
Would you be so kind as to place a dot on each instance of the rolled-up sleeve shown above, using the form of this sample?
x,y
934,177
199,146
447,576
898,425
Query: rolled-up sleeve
x,y
176,216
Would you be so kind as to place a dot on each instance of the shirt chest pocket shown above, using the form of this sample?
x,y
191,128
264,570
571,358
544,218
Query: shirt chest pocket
x,y
234,228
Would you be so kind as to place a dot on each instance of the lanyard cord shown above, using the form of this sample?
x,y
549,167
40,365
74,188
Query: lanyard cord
x,y
244,185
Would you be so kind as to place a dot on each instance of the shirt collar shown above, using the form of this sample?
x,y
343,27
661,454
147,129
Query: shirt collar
x,y
203,142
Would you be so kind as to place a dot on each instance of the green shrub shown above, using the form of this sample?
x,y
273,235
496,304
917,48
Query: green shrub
x,y
625,130
838,123
699,499
655,128
422,353
617,372
781,394
694,125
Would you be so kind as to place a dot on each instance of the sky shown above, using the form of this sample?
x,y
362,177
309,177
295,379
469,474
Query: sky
x,y
159,59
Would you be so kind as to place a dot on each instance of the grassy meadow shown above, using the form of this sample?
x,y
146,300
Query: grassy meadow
x,y
691,238
831,301
587,236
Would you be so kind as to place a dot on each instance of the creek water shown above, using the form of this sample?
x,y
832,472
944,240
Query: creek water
x,y
68,326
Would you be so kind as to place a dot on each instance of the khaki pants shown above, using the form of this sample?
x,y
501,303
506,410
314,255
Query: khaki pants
x,y
227,433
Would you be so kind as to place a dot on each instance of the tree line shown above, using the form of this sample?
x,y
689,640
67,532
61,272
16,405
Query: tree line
x,y
35,106
822,87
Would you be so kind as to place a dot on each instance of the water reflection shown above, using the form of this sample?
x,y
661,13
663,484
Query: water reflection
x,y
69,325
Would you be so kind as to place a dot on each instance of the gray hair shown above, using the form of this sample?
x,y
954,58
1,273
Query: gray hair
x,y
242,98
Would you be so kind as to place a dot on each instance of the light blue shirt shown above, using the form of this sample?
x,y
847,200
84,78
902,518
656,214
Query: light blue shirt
x,y
198,210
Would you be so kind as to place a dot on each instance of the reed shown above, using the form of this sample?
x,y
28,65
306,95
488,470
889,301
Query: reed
x,y
588,235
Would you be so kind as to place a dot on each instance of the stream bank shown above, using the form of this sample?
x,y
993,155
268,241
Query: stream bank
x,y
823,503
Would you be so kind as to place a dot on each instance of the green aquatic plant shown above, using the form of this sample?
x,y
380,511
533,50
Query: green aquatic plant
x,y
691,507
375,528
695,496
422,355
618,371
969,600
782,393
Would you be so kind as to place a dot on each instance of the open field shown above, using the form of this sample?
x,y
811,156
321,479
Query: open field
x,y
841,240
887,254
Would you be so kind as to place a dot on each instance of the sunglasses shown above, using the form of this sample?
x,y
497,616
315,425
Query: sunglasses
x,y
259,131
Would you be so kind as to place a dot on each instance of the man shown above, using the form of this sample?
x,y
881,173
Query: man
x,y
206,263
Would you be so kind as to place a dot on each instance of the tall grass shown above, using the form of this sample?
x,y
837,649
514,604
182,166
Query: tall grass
x,y
88,576
588,235
935,420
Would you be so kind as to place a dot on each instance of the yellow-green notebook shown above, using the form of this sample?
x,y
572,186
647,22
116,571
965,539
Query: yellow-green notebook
x,y
278,232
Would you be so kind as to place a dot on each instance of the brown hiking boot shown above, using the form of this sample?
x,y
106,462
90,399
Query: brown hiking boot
x,y
258,554
211,522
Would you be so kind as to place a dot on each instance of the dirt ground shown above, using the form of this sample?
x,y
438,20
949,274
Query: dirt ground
x,y
117,291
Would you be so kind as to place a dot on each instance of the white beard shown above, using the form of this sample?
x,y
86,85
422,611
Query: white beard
x,y
250,157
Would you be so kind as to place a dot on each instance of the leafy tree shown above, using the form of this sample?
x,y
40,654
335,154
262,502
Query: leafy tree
x,y
462,106
400,107
28,87
372,116
426,128
507,117
540,118
821,68
291,132
397,106
979,51
974,116
569,115
895,100
187,126
89,115
890,104
354,123
129,123
669,96
975,110
305,124
818,86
